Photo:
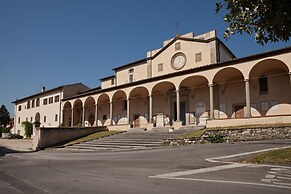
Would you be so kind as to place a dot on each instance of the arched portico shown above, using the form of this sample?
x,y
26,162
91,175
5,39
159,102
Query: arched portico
x,y
119,108
67,114
196,93
103,113
270,88
164,106
78,112
90,110
229,95
139,106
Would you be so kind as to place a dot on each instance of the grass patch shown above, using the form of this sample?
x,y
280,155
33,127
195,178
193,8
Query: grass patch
x,y
194,134
92,136
281,156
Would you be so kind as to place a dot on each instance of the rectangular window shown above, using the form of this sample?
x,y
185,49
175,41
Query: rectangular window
x,y
30,119
160,67
130,78
19,108
177,46
57,98
44,119
45,101
198,57
56,117
26,119
51,100
18,120
37,102
112,81
263,81
28,105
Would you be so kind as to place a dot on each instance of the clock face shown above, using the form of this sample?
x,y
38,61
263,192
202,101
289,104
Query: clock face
x,y
178,61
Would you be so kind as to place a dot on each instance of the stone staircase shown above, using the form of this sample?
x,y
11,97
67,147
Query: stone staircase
x,y
133,139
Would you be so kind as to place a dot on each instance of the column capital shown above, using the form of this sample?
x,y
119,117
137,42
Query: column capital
x,y
247,80
210,85
289,73
177,91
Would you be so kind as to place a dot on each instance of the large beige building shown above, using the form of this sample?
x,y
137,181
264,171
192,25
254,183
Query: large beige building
x,y
212,88
44,107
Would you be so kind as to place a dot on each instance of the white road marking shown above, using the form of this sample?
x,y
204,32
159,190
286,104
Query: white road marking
x,y
286,184
231,182
231,165
270,176
269,180
216,159
283,177
201,170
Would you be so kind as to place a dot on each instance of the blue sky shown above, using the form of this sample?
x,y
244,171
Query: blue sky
x,y
55,42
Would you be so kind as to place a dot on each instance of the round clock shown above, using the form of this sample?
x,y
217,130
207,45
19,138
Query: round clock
x,y
178,61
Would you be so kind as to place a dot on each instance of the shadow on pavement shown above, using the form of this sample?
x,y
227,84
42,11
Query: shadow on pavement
x,y
4,151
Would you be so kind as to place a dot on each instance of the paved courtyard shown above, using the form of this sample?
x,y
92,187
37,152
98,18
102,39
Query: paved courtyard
x,y
207,168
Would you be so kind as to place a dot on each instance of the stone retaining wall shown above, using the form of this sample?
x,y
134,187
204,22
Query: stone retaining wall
x,y
236,135
250,134
48,137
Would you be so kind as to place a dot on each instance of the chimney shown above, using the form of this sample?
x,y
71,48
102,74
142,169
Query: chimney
x,y
43,89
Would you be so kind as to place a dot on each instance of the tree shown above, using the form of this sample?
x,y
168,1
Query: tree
x,y
4,116
28,128
270,20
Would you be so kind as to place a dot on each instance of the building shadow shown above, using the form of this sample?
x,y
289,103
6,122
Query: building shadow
x,y
4,151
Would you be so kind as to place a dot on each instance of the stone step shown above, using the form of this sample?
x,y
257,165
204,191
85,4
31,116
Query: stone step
x,y
123,142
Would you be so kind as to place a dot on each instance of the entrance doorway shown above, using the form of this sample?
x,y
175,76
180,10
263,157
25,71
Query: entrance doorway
x,y
239,111
182,112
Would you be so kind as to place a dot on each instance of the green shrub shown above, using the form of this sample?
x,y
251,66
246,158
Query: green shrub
x,y
216,138
5,130
28,128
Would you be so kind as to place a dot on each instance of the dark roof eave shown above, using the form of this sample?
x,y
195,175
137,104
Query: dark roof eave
x,y
130,64
108,77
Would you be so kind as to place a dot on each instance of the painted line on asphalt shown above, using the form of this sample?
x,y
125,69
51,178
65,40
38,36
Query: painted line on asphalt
x,y
282,185
231,165
216,159
201,170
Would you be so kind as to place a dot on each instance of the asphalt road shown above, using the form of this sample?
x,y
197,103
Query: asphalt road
x,y
165,170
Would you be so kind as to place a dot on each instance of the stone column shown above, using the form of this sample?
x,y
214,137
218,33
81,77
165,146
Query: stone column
x,y
128,111
111,112
72,118
150,109
178,105
96,115
83,116
211,101
248,98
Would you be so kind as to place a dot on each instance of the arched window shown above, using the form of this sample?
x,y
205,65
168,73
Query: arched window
x,y
28,105
32,103
37,102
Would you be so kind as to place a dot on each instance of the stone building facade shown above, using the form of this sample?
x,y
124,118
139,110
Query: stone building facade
x,y
191,80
